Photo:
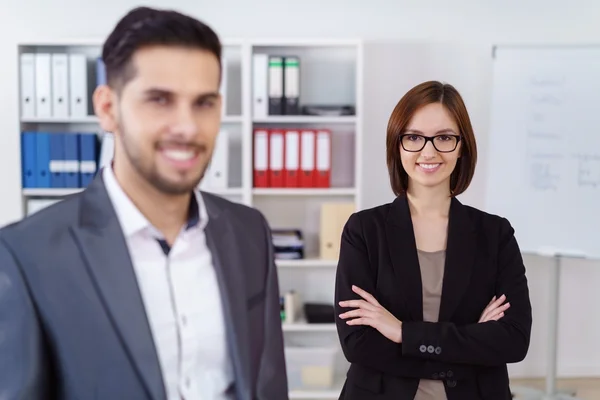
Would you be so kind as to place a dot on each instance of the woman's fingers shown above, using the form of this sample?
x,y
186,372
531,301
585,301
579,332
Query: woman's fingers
x,y
493,308
494,304
496,313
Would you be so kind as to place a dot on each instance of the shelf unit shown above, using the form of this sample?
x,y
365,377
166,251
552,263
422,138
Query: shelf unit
x,y
330,73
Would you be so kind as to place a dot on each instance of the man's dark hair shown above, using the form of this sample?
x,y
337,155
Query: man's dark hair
x,y
144,26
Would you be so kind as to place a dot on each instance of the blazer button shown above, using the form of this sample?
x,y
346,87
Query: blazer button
x,y
434,376
423,348
430,349
442,375
450,374
438,350
451,383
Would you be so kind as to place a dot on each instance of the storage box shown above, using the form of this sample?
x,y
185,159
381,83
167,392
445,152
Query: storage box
x,y
310,367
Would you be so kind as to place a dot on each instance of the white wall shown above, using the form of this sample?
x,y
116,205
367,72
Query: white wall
x,y
467,66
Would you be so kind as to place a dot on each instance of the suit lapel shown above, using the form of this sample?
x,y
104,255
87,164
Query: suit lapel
x,y
403,253
222,242
106,256
460,259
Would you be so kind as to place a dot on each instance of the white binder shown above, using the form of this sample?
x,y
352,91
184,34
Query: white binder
x,y
78,85
60,85
107,150
27,78
260,98
219,165
43,85
223,88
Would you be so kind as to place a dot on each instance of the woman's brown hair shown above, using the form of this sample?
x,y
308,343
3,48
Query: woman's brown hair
x,y
419,96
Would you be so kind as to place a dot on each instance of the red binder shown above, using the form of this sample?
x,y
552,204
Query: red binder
x,y
261,158
292,159
323,161
307,158
276,158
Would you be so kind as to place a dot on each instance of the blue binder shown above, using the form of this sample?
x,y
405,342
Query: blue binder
x,y
71,161
57,158
100,72
43,160
87,152
28,159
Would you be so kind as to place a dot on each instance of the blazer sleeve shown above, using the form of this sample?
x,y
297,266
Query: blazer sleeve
x,y
272,376
491,343
22,373
365,345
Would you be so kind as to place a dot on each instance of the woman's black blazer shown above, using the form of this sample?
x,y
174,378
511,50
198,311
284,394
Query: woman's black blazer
x,y
378,253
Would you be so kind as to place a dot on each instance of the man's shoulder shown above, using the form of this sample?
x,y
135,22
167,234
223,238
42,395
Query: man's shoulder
x,y
46,223
243,212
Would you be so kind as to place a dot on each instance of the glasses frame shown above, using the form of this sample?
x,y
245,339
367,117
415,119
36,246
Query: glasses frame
x,y
429,139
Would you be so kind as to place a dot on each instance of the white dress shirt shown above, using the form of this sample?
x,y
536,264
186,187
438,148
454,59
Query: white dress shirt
x,y
182,299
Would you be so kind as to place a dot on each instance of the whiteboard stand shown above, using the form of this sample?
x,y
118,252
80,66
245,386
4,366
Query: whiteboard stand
x,y
552,350
551,393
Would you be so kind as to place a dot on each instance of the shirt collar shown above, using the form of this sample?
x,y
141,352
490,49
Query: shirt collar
x,y
133,221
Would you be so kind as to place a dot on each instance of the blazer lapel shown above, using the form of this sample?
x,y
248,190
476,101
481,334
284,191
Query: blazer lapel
x,y
106,256
222,242
460,259
403,253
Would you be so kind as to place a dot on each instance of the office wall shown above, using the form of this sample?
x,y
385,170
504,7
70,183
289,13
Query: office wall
x,y
475,23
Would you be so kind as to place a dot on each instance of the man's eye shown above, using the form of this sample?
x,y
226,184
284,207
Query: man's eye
x,y
158,99
206,103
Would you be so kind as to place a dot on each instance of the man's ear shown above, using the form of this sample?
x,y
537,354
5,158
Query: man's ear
x,y
104,100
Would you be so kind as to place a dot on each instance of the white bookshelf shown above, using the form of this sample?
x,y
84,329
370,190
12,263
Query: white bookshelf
x,y
330,73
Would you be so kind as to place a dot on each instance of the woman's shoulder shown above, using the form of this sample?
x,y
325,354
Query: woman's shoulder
x,y
372,214
488,221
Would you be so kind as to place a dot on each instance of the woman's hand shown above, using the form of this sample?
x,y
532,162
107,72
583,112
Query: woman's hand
x,y
370,312
494,310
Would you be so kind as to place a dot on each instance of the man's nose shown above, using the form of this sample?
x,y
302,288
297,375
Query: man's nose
x,y
184,122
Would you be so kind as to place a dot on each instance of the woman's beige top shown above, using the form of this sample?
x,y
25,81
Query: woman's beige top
x,y
432,275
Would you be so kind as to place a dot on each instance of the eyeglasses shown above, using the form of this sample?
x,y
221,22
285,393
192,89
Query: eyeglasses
x,y
443,143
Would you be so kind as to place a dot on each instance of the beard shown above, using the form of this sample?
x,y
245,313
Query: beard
x,y
151,174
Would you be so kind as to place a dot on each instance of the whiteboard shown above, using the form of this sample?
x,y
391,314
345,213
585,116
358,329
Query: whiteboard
x,y
544,147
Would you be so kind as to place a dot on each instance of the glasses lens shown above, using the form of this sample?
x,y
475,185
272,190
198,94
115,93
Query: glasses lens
x,y
445,142
413,142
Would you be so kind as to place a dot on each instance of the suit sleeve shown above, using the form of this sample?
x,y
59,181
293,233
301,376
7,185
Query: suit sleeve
x,y
21,370
272,376
365,345
487,344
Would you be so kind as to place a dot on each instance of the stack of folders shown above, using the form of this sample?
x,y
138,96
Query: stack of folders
x,y
56,84
292,158
288,244
58,160
275,85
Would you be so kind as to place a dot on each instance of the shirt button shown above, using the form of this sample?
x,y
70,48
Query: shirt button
x,y
187,382
184,320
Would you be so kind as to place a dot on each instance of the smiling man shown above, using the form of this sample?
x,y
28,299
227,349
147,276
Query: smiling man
x,y
141,287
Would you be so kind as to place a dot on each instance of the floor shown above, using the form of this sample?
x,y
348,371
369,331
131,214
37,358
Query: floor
x,y
586,389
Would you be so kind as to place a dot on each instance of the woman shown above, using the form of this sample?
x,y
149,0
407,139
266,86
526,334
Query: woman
x,y
431,294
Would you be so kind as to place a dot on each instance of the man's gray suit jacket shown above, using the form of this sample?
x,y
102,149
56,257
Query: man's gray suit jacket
x,y
72,320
